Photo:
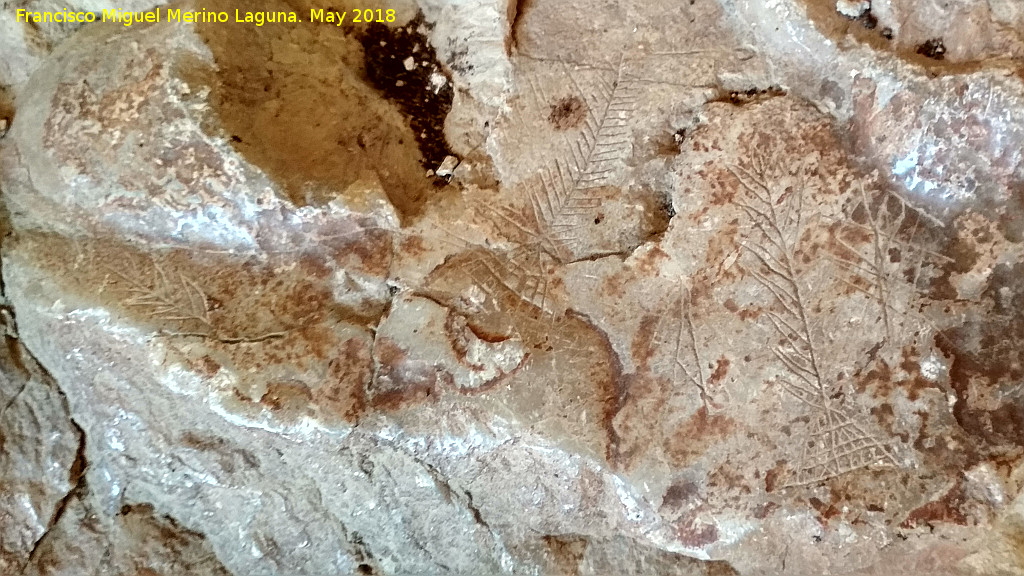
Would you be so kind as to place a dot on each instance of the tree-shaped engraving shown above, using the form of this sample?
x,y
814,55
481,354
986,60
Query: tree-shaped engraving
x,y
586,112
173,300
542,227
879,266
687,364
499,273
565,193
165,297
836,442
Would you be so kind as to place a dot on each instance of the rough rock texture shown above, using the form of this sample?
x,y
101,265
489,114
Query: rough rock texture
x,y
547,288
25,44
40,456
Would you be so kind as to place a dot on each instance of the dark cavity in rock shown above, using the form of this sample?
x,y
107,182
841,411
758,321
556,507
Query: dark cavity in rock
x,y
419,87
933,49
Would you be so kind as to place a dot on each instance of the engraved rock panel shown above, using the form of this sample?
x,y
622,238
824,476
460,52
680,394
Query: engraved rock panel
x,y
597,287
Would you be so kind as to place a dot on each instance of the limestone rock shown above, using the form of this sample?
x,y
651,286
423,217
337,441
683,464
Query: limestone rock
x,y
968,31
40,460
134,541
26,43
516,288
852,9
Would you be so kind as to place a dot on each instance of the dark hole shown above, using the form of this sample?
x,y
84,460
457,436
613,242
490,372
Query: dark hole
x,y
868,20
933,49
425,104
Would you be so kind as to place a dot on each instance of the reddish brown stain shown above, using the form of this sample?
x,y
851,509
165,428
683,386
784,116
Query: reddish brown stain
x,y
886,418
592,383
286,395
667,145
650,262
917,383
721,248
772,476
637,422
879,378
207,366
987,355
373,249
644,347
922,434
678,494
392,401
1011,222
694,437
566,553
941,288
460,336
700,291
752,313
762,511
229,457
825,511
400,381
696,534
963,254
720,371
608,382
344,392
486,333
412,246
388,352
946,509
313,267
614,286
855,236
725,187
726,477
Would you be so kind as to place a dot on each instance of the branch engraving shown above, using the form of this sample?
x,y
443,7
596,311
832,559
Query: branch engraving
x,y
837,443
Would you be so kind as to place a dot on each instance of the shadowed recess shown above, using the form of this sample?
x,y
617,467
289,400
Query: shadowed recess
x,y
292,99
402,65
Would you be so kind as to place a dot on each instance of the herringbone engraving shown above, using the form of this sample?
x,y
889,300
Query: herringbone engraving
x,y
836,444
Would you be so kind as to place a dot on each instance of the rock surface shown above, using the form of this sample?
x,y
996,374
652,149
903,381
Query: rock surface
x,y
531,288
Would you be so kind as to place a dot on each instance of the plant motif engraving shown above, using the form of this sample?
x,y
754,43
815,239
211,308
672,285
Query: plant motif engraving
x,y
589,110
887,217
543,229
164,297
566,192
836,442
518,271
687,363
172,298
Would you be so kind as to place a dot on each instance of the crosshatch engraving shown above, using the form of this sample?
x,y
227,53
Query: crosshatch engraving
x,y
544,227
888,267
837,442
